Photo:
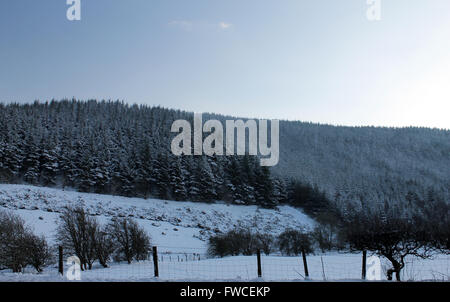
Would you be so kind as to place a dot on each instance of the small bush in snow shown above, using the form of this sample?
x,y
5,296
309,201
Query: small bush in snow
x,y
239,242
293,242
38,251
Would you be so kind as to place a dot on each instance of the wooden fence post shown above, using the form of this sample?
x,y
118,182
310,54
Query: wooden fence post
x,y
155,261
258,257
323,269
60,262
305,264
364,261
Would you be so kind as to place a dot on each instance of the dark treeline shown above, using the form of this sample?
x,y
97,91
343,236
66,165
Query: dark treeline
x,y
114,148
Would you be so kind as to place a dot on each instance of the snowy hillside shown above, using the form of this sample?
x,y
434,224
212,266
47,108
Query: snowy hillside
x,y
180,230
171,224
115,148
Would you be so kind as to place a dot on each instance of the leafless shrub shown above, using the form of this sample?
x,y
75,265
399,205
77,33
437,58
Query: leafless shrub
x,y
77,232
294,242
131,241
239,242
38,251
19,247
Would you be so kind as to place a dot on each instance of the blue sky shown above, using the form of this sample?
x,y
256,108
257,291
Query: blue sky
x,y
319,61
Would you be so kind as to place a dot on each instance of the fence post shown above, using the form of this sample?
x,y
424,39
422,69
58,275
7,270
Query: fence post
x,y
60,262
258,257
323,269
305,265
364,261
155,260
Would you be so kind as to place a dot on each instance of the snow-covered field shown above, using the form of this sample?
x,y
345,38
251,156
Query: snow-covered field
x,y
329,267
180,230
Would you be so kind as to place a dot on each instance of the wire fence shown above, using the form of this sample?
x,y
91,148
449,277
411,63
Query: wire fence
x,y
194,265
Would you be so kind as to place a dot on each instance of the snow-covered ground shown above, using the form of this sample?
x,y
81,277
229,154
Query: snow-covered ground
x,y
329,267
180,230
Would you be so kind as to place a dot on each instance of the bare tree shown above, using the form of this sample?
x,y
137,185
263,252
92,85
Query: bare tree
x,y
294,242
38,251
239,241
103,245
132,242
388,234
326,232
218,246
264,242
76,231
19,247
12,237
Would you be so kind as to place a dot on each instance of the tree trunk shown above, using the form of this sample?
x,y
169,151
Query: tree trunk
x,y
103,262
397,274
397,267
